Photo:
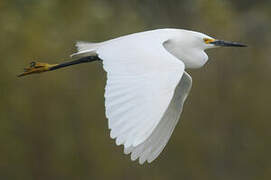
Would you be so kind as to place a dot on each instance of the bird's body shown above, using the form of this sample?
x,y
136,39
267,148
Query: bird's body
x,y
146,83
173,40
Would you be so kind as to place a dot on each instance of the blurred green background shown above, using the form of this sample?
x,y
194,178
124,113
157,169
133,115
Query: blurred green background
x,y
53,126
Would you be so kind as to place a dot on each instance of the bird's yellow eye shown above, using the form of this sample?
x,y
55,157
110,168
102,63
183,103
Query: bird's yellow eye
x,y
208,41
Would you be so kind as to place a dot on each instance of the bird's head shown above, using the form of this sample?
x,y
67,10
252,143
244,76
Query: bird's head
x,y
189,47
197,40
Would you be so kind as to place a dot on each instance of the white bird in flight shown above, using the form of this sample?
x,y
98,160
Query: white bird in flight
x,y
146,83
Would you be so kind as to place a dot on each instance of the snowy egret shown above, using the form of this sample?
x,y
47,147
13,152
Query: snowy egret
x,y
146,83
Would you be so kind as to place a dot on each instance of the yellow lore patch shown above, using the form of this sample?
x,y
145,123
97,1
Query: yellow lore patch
x,y
208,41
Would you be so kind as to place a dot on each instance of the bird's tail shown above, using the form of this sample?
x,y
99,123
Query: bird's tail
x,y
85,49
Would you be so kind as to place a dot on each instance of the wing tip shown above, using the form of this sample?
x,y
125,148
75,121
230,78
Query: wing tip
x,y
141,159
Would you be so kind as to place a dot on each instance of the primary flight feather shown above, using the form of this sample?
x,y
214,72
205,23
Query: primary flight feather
x,y
146,83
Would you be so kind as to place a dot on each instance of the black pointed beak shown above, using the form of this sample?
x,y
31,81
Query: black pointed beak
x,y
227,43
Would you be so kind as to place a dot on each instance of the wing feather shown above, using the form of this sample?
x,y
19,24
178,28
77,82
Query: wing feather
x,y
141,80
153,146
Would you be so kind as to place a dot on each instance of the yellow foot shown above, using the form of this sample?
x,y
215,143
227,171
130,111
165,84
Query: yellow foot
x,y
36,67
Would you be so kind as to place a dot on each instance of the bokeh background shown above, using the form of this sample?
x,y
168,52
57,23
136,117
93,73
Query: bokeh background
x,y
53,126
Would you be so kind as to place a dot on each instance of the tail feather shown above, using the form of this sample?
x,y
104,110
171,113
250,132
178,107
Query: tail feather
x,y
82,46
85,49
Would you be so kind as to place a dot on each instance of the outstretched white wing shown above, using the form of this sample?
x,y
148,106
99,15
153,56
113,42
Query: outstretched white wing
x,y
153,146
141,79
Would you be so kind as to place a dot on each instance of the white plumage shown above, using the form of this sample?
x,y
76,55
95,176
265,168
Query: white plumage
x,y
146,85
